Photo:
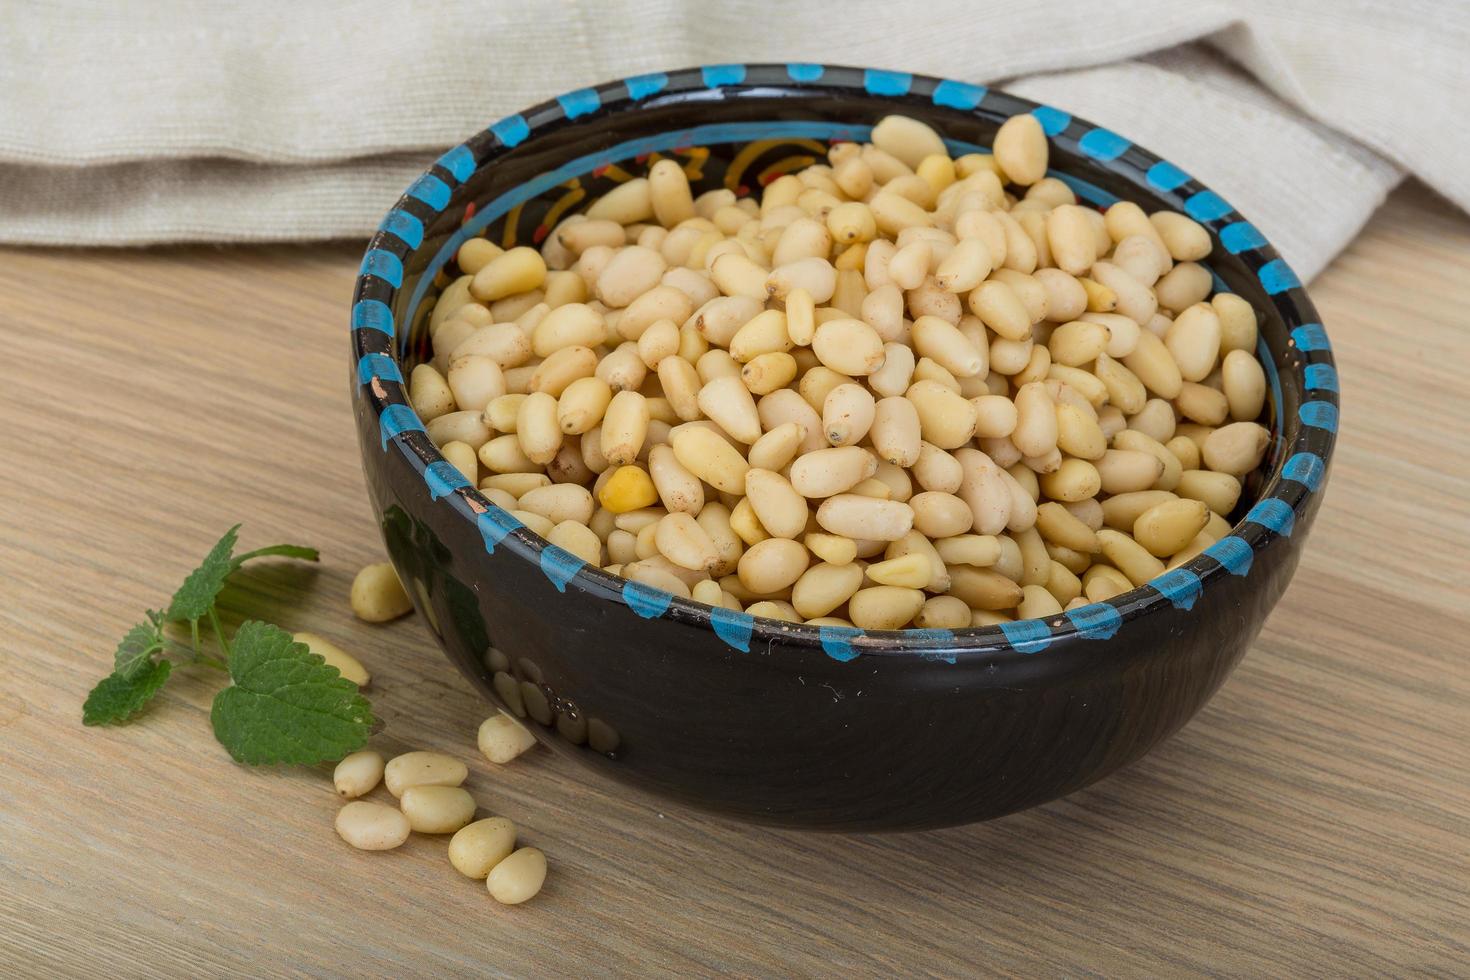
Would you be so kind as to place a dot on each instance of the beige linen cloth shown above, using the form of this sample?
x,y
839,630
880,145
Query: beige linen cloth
x,y
141,121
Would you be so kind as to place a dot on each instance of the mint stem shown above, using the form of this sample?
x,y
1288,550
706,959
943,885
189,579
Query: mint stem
x,y
194,635
219,631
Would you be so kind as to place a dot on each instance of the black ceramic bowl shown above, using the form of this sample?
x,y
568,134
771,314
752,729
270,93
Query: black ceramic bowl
x,y
815,727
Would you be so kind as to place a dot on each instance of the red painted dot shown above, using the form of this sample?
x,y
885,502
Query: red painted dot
x,y
742,190
540,233
599,171
469,212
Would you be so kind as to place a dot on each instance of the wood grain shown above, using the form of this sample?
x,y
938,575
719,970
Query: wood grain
x,y
1315,818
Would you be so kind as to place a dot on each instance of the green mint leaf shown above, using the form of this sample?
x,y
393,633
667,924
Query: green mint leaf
x,y
199,591
286,703
116,698
135,653
277,551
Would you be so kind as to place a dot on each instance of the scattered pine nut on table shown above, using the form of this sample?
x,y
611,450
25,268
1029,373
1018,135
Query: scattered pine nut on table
x,y
898,390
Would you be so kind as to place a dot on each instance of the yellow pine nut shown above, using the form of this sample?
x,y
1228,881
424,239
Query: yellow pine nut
x,y
475,254
462,456
1201,404
824,587
372,826
422,769
852,222
451,302
875,263
628,489
885,607
358,774
668,193
715,363
1077,342
1167,528
1035,561
537,429
1069,236
847,414
1009,357
1236,448
1103,582
1129,557
1183,286
377,594
1037,603
1132,439
523,309
745,524
1219,491
681,540
1020,149
657,577
1185,239
1194,341
969,549
769,566
1143,258
736,275
1032,221
591,449
715,519
1060,526
709,457
940,515
680,383
761,334
945,418
767,372
1190,551
1074,480
518,878
516,484
781,510
1198,433
678,489
784,405
774,609
995,416
874,488
1036,420
910,571
474,379
554,374
1048,462
869,518
1089,512
929,300
828,472
536,523
568,466
1238,328
1121,511
1050,192
1100,299
559,502
1132,298
516,271
578,539
1218,527
983,588
1111,421
803,238
834,549
893,378
946,345
1245,385
1155,419
582,405
943,612
1153,364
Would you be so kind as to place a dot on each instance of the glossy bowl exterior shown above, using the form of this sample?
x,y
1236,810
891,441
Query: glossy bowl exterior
x,y
830,728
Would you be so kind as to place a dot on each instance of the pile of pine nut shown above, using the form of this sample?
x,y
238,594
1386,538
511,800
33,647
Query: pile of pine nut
x,y
899,390
432,800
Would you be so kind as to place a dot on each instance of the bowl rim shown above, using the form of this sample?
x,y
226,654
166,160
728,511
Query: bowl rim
x,y
1302,444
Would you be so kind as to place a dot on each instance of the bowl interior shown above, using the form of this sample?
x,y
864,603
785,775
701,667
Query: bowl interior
x,y
740,127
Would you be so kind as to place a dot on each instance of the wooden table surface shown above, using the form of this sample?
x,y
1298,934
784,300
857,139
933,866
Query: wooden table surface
x,y
1315,817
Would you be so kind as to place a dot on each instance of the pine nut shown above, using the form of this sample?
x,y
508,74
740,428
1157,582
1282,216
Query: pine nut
x,y
1244,382
1236,448
347,665
422,769
477,848
358,774
378,595
517,878
372,826
1166,528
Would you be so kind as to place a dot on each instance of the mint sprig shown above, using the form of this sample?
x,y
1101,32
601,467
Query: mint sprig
x,y
285,704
